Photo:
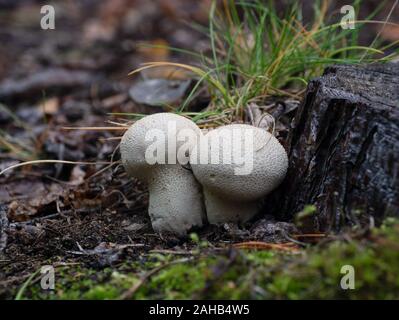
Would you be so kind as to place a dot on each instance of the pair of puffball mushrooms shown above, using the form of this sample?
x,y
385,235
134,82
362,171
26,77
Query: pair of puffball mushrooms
x,y
176,194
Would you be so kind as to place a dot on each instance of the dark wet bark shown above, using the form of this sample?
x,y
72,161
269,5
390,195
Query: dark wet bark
x,y
344,149
3,228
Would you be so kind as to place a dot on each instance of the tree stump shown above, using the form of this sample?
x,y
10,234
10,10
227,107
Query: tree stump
x,y
343,149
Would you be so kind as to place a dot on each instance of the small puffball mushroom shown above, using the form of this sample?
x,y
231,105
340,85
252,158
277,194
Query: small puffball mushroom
x,y
240,170
175,198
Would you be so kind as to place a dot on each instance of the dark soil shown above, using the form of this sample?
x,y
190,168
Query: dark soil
x,y
74,76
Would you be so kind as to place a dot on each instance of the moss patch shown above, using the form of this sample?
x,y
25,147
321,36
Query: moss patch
x,y
313,273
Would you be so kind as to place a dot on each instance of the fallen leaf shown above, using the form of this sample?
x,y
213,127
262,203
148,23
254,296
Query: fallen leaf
x,y
42,201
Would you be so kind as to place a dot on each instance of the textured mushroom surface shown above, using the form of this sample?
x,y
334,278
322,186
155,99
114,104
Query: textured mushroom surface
x,y
230,196
176,202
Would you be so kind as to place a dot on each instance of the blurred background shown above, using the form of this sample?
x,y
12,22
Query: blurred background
x,y
105,38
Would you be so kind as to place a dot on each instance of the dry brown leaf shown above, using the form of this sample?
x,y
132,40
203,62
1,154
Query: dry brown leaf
x,y
156,50
258,245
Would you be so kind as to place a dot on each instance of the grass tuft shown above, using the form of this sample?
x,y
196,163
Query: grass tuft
x,y
256,52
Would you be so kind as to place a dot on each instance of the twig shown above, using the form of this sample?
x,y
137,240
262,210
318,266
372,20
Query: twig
x,y
100,251
96,128
309,235
287,237
171,252
38,219
265,246
51,161
3,227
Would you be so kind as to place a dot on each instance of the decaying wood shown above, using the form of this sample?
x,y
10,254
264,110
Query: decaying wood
x,y
3,228
344,149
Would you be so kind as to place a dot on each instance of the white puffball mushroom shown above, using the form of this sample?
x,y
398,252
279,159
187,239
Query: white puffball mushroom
x,y
175,198
232,188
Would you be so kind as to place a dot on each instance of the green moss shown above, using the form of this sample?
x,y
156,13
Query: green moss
x,y
318,273
314,273
84,283
179,281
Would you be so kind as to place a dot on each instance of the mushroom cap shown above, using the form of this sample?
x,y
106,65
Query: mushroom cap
x,y
134,143
175,199
269,163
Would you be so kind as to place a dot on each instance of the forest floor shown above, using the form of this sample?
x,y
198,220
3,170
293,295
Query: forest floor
x,y
90,221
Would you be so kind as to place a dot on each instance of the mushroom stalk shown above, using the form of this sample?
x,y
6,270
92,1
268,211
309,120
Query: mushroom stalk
x,y
244,164
220,211
151,151
175,205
